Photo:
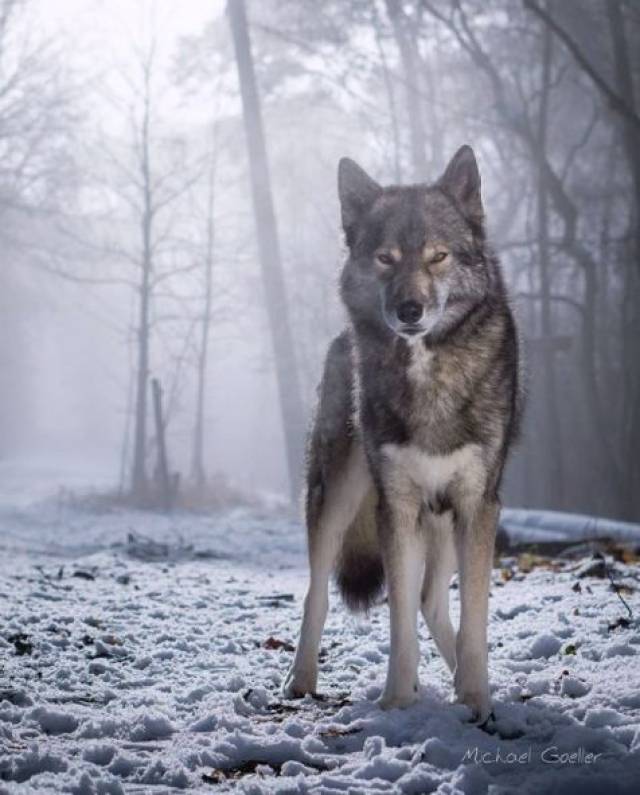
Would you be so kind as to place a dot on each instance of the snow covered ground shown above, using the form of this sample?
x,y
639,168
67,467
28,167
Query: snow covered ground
x,y
144,654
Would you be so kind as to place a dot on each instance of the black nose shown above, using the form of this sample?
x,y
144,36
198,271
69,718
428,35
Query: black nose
x,y
409,312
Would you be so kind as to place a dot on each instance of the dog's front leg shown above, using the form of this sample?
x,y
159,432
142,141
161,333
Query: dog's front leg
x,y
403,547
475,538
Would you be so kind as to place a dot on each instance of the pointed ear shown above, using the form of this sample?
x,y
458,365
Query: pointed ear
x,y
357,192
461,180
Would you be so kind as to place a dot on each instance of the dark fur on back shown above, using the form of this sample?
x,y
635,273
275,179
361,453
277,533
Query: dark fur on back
x,y
374,387
359,572
333,428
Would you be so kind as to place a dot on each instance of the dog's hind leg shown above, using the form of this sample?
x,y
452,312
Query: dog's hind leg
x,y
441,563
340,502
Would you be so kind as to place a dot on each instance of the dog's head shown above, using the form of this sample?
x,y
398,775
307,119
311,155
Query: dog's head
x,y
417,263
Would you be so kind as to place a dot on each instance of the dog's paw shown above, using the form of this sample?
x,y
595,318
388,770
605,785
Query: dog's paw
x,y
478,703
471,686
298,684
398,699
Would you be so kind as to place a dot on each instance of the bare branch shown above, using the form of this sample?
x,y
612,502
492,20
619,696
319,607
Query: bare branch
x,y
562,299
613,98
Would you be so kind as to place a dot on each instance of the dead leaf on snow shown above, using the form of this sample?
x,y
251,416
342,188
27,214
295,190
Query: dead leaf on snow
x,y
274,644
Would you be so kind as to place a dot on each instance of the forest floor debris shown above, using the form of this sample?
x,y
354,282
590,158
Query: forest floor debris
x,y
160,672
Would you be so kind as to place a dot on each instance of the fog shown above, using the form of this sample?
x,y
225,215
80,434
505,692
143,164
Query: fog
x,y
123,153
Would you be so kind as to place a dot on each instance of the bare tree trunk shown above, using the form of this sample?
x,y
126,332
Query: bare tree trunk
x,y
405,40
269,250
139,481
391,98
553,465
435,133
164,480
197,465
631,352
139,472
123,482
530,487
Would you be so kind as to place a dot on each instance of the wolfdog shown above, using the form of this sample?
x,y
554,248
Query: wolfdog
x,y
419,403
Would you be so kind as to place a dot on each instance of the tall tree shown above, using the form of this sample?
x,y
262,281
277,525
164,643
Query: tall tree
x,y
197,454
291,407
129,236
146,224
553,473
405,35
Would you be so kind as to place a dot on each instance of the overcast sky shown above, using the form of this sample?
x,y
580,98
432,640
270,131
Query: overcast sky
x,y
99,28
100,36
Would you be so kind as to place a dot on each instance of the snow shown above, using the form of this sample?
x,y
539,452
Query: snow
x,y
141,653
544,645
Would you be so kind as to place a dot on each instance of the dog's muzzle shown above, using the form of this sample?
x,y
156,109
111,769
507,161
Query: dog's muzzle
x,y
412,319
410,313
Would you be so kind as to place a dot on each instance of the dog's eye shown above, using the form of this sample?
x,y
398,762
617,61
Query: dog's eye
x,y
385,258
439,257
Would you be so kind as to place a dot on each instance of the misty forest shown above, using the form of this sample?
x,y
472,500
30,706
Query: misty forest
x,y
170,251
129,248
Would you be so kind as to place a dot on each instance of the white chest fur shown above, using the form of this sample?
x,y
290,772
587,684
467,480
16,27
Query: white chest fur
x,y
419,370
434,473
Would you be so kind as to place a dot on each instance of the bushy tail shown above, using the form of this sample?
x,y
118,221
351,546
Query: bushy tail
x,y
359,570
